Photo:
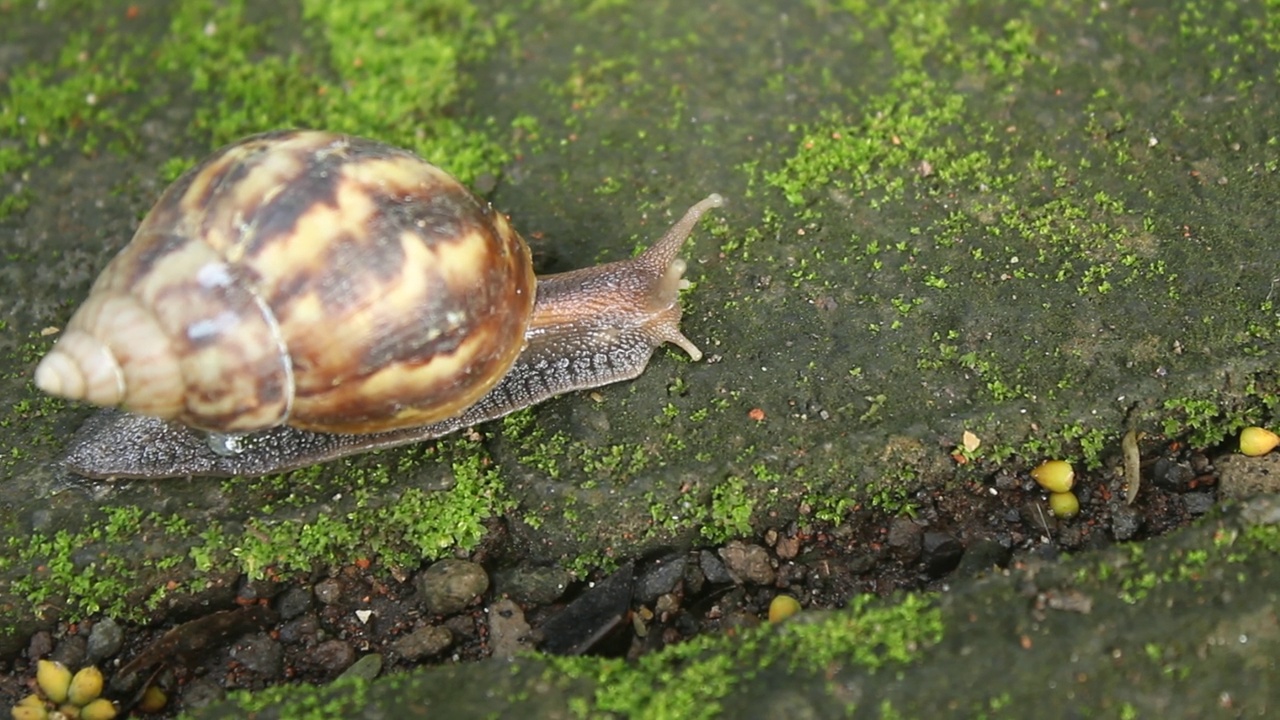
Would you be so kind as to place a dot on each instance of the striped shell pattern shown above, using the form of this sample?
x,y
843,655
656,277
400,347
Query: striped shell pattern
x,y
303,278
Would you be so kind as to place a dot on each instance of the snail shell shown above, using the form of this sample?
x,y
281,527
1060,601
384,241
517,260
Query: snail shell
x,y
330,294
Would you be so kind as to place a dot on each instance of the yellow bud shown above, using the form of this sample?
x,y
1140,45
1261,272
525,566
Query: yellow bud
x,y
28,712
783,607
1055,475
54,680
100,709
1255,441
153,700
85,686
1064,504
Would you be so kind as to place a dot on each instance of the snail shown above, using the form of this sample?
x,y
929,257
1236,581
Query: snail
x,y
301,296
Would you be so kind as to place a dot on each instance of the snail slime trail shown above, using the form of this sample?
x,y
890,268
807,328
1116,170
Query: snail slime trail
x,y
210,336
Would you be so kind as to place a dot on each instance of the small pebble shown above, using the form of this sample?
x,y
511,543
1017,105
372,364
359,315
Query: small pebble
x,y
293,602
940,553
713,569
423,642
71,651
40,646
332,656
200,692
328,591
462,626
983,556
1125,522
787,547
508,630
300,630
660,577
1242,477
1198,503
905,540
259,653
750,563
666,604
1172,475
449,586
251,590
366,668
532,585
105,641
860,562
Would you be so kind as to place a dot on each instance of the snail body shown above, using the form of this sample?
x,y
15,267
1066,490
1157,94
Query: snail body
x,y
303,295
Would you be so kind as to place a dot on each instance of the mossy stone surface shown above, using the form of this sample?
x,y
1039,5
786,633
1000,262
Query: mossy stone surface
x,y
1178,627
1043,222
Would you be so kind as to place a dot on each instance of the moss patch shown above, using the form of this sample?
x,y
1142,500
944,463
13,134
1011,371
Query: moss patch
x,y
1118,631
75,572
690,680
116,78
1002,218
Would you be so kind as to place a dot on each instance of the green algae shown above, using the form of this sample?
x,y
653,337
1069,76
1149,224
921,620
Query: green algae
x,y
952,212
972,197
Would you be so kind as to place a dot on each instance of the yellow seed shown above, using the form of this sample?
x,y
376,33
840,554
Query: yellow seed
x,y
85,686
1064,504
54,680
28,712
1255,441
1055,475
66,711
32,700
100,709
783,607
153,700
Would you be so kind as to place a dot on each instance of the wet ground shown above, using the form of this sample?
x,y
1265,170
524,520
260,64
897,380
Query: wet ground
x,y
491,603
1043,224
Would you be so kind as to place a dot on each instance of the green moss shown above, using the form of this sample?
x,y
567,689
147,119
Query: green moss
x,y
393,73
74,568
78,95
688,680
897,132
730,512
1257,537
867,635
304,705
400,531
926,206
1137,576
998,216
1200,419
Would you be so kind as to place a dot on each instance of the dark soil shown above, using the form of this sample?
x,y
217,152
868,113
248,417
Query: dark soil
x,y
313,630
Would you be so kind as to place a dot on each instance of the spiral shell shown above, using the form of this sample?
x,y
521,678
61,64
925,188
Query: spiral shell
x,y
317,280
